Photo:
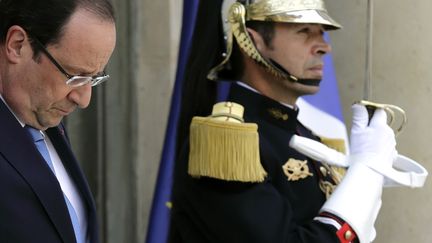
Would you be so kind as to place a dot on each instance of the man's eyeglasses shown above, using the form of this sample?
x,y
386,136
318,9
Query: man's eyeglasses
x,y
73,80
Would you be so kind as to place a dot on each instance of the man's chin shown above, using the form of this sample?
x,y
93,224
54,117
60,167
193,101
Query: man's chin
x,y
316,77
50,122
310,89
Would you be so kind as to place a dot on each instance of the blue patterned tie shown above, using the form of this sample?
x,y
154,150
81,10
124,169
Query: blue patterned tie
x,y
43,150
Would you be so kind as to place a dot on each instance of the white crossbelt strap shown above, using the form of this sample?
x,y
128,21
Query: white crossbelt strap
x,y
405,171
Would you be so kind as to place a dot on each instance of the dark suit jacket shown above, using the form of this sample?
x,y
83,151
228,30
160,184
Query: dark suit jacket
x,y
275,211
32,206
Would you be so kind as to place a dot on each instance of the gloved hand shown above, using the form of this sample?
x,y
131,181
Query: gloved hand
x,y
374,142
357,199
405,171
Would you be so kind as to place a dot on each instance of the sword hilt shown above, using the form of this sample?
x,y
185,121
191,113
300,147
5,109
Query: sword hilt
x,y
371,110
391,111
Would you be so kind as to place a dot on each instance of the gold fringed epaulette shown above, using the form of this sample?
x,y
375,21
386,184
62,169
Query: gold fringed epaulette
x,y
222,146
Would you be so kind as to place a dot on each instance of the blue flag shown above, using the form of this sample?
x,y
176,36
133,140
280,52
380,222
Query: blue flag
x,y
158,228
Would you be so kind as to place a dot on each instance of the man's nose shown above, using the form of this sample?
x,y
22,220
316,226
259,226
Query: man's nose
x,y
322,47
81,95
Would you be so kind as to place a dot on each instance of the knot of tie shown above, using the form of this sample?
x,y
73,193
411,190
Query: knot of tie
x,y
36,134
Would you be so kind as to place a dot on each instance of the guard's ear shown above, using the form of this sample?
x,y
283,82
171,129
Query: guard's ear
x,y
15,43
257,39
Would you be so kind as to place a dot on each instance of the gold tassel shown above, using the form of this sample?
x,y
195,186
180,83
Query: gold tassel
x,y
226,150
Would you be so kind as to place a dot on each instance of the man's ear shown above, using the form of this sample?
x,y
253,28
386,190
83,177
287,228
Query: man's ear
x,y
16,43
257,39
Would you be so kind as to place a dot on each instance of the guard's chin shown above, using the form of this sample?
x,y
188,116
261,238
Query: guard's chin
x,y
310,90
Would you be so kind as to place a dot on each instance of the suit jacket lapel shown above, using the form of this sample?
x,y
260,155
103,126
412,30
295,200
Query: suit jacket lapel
x,y
18,149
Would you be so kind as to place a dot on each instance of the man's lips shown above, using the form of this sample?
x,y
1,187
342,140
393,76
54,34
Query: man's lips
x,y
317,69
64,111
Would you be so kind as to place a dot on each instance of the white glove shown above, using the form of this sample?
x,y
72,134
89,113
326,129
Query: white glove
x,y
357,199
372,143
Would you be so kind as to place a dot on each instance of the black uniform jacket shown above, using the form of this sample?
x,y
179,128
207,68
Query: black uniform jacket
x,y
32,206
274,211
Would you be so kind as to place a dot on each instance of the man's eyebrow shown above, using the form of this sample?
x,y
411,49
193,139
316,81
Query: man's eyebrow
x,y
101,72
77,70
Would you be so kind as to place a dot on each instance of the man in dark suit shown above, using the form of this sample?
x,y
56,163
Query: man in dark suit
x,y
51,54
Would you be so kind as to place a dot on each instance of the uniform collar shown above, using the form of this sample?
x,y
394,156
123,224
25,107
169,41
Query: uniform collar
x,y
259,106
256,91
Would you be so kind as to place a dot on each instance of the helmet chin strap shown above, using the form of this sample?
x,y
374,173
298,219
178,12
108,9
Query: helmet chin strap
x,y
278,67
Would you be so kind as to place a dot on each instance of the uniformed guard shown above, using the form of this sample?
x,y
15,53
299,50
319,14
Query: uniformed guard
x,y
236,178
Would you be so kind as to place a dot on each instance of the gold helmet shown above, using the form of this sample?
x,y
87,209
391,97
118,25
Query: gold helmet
x,y
236,13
